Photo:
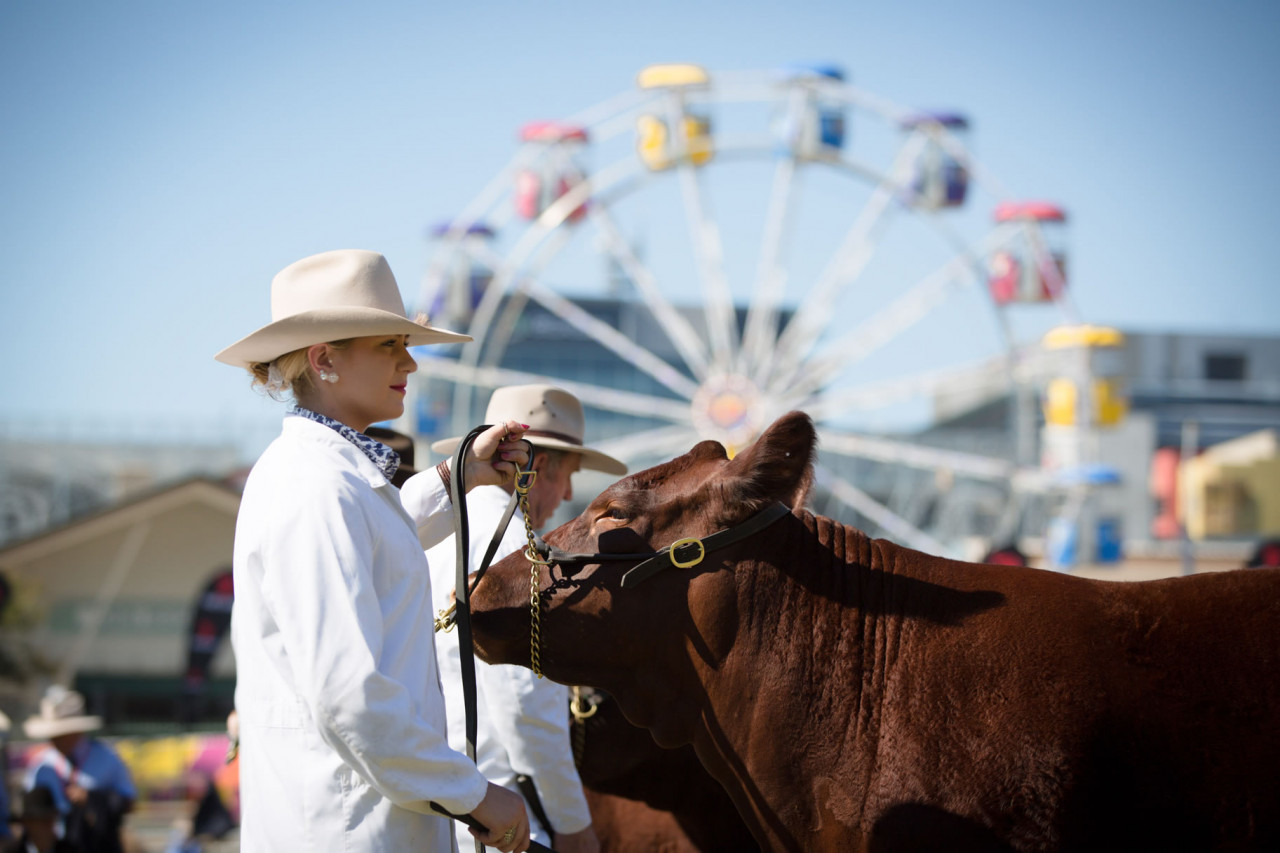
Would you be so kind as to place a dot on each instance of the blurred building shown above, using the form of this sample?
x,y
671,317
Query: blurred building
x,y
48,479
1188,394
130,605
106,549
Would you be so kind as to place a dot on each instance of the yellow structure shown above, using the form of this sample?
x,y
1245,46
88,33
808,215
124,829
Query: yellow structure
x,y
1090,363
654,143
1232,489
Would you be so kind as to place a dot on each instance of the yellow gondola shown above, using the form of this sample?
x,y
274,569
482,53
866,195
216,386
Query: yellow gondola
x,y
653,137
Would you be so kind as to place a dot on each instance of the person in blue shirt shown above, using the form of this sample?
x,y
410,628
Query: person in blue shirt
x,y
90,784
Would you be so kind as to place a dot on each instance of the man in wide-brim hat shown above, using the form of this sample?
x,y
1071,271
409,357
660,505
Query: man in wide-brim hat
x,y
523,721
76,765
556,427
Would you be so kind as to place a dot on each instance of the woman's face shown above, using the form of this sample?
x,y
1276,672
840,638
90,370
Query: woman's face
x,y
373,375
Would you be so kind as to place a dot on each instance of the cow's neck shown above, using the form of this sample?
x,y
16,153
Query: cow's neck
x,y
813,656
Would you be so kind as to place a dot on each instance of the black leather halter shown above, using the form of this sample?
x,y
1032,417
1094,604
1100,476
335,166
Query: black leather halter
x,y
680,554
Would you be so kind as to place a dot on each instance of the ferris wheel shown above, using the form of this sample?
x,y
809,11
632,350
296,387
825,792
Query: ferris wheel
x,y
788,241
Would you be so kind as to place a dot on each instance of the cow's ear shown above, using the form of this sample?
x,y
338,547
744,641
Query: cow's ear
x,y
778,467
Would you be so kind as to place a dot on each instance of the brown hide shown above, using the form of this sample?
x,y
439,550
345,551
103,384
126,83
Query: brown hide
x,y
852,694
644,798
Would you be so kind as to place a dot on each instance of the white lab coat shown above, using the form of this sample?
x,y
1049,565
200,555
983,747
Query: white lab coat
x,y
342,720
523,721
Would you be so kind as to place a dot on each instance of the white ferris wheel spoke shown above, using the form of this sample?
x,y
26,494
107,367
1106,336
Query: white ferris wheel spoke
x,y
597,396
682,334
988,375
612,115
500,332
668,440
609,337
817,311
505,269
917,455
892,320
759,331
720,315
435,276
495,341
721,319
881,327
897,527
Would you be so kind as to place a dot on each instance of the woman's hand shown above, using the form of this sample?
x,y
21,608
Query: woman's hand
x,y
503,812
496,455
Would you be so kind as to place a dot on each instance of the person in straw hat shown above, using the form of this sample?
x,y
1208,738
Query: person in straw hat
x,y
342,721
89,783
523,721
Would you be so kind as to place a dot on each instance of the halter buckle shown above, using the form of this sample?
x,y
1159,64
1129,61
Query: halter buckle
x,y
684,543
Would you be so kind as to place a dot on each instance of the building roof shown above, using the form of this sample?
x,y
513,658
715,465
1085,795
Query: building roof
x,y
216,494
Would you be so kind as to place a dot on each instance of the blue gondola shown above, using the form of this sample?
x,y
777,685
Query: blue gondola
x,y
938,178
815,127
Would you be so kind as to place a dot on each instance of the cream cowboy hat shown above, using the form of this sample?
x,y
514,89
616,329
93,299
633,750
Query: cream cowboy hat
x,y
332,296
61,713
555,422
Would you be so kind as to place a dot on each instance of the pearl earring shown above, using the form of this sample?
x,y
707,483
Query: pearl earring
x,y
328,377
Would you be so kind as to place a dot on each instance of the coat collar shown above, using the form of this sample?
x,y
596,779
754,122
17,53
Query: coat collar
x,y
379,454
298,428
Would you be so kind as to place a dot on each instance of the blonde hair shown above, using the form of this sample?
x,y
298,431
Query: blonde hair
x,y
288,375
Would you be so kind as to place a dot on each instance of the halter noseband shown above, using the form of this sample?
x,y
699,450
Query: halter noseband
x,y
680,554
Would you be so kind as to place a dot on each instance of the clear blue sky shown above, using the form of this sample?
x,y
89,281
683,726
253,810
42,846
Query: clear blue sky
x,y
161,161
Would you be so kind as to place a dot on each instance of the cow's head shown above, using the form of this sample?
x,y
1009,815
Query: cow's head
x,y
597,633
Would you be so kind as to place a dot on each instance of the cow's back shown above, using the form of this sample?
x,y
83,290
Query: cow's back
x,y
1088,707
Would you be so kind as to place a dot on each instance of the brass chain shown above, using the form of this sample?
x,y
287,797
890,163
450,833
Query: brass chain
x,y
524,481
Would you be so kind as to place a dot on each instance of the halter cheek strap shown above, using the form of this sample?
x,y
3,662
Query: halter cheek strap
x,y
684,553
681,554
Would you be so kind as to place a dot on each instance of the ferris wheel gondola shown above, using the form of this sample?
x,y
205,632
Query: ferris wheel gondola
x,y
859,242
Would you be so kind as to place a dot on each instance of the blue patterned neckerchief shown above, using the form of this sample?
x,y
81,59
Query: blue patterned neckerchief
x,y
379,454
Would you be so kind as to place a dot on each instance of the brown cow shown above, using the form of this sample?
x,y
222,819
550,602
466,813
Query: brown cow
x,y
852,694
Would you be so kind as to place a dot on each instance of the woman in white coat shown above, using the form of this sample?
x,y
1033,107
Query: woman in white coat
x,y
342,720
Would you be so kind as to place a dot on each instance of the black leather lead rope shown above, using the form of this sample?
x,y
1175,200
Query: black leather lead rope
x,y
462,593
462,589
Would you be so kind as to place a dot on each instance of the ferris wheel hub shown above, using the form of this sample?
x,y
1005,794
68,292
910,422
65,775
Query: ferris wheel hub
x,y
728,408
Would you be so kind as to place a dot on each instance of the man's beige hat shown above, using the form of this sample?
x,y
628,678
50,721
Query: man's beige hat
x,y
61,713
349,293
555,422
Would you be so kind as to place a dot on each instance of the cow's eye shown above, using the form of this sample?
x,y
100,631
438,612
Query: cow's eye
x,y
616,513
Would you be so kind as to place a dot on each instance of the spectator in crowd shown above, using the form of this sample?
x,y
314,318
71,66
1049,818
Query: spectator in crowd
x,y
89,783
